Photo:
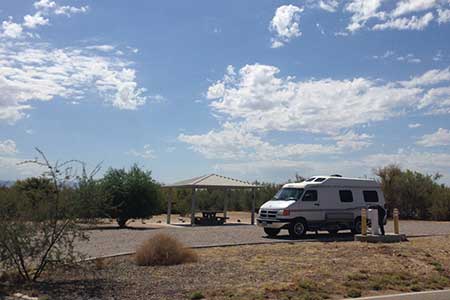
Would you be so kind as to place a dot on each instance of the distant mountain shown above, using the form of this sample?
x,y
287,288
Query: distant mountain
x,y
6,183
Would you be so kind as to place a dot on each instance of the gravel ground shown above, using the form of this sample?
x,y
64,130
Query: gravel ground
x,y
111,240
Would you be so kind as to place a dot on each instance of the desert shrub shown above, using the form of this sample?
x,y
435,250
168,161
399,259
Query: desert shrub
x,y
131,194
164,250
38,220
197,295
416,195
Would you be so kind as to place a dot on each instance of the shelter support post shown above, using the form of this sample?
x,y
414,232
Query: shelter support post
x,y
225,204
169,205
193,207
253,206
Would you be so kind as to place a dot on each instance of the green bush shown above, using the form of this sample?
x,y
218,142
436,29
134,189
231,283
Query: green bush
x,y
130,194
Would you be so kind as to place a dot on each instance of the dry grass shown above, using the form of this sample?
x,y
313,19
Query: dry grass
x,y
164,250
300,271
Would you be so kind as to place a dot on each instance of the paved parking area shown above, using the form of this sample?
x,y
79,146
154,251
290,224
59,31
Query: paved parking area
x,y
111,240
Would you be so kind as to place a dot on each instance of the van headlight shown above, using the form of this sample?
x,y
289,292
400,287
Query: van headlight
x,y
284,212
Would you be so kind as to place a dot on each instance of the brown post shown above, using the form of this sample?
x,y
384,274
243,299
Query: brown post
x,y
193,207
169,205
396,223
253,207
363,221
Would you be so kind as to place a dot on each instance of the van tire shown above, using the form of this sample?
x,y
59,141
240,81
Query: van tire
x,y
272,232
297,228
357,226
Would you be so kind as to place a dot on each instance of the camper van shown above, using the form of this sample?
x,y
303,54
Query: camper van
x,y
329,203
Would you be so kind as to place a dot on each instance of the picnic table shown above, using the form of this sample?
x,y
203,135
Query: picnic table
x,y
209,217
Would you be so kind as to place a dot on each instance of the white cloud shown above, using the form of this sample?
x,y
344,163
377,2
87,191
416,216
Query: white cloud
x,y
411,23
39,72
8,147
285,24
234,142
429,78
440,138
44,4
264,101
329,5
32,21
70,10
410,6
104,48
443,16
146,153
11,29
409,58
414,125
362,11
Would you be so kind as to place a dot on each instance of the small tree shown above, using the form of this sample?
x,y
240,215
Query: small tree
x,y
132,194
38,220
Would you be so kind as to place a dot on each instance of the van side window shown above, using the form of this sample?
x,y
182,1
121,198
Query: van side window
x,y
346,196
370,196
310,179
310,195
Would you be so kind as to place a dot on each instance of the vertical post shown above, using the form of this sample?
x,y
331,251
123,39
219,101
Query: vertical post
x,y
363,221
396,224
169,205
225,204
193,207
253,206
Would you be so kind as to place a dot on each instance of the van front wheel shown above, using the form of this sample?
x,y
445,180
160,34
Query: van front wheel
x,y
297,229
272,232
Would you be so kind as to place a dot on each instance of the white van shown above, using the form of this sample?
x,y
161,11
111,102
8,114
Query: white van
x,y
329,203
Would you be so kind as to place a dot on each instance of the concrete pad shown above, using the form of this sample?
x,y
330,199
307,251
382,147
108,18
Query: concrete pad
x,y
429,295
388,238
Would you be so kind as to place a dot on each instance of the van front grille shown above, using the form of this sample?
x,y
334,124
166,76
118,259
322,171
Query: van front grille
x,y
268,214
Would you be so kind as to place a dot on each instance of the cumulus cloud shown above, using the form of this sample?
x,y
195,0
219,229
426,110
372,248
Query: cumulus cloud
x,y
264,101
32,21
439,138
414,125
443,16
410,6
411,23
430,77
38,72
11,29
234,142
362,11
285,24
329,5
8,147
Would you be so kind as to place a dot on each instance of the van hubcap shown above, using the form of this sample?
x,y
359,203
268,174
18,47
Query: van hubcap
x,y
299,228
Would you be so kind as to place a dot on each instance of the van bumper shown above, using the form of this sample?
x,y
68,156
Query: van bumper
x,y
277,224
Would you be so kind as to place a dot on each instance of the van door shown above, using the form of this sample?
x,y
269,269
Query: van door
x,y
310,206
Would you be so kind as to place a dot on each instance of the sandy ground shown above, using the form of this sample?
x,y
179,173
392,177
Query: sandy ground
x,y
107,239
237,217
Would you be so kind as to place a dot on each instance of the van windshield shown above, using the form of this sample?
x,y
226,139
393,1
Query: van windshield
x,y
288,194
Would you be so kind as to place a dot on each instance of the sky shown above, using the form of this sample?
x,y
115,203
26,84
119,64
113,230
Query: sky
x,y
256,90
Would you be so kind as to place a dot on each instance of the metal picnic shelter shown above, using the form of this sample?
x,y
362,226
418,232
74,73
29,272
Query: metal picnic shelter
x,y
211,181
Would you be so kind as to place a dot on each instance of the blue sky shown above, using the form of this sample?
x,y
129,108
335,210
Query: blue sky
x,y
258,90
